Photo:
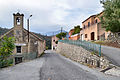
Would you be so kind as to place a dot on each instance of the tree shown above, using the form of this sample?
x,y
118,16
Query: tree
x,y
60,35
111,16
6,48
77,29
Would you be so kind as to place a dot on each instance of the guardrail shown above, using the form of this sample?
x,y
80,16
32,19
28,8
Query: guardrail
x,y
96,48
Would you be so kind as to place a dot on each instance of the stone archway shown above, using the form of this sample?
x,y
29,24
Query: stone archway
x,y
93,36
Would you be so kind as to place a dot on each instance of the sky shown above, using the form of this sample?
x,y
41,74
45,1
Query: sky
x,y
48,15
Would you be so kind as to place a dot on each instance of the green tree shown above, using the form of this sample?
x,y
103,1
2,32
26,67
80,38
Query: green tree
x,y
6,47
77,29
111,16
60,35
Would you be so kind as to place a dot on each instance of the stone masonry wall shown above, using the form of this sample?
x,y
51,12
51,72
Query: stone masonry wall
x,y
81,55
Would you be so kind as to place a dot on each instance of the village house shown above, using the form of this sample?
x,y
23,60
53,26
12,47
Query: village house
x,y
92,29
24,43
75,36
54,42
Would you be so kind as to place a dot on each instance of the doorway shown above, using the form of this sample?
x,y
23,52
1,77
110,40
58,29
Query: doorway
x,y
93,36
18,60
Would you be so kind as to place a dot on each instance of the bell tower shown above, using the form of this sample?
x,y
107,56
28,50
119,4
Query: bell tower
x,y
18,20
18,27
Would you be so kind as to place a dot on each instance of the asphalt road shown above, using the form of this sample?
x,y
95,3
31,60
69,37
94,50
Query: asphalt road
x,y
56,68
52,66
113,54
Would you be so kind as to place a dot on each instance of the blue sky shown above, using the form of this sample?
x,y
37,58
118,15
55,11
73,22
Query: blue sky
x,y
48,15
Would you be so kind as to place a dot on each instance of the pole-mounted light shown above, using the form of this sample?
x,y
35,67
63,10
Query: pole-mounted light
x,y
102,1
28,26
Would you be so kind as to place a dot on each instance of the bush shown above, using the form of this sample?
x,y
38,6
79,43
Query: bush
x,y
60,35
6,63
6,48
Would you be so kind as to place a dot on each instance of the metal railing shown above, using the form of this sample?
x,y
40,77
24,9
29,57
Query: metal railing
x,y
29,56
96,48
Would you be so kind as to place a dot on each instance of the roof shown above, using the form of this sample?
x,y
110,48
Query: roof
x,y
75,35
24,30
89,18
71,30
93,16
34,35
99,13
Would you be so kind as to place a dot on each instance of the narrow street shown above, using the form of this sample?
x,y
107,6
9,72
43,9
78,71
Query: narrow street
x,y
52,66
113,54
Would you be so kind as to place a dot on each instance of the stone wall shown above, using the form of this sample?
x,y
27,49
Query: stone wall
x,y
81,55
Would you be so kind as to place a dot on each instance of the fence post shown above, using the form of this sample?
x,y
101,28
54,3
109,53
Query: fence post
x,y
100,50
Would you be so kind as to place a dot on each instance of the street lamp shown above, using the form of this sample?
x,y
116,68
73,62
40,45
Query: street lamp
x,y
28,25
102,1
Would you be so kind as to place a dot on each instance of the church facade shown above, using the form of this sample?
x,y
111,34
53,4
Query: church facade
x,y
24,44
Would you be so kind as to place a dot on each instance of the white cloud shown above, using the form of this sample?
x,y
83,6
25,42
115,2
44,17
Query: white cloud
x,y
49,13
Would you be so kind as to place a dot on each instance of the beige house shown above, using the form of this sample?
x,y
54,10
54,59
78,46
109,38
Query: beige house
x,y
54,42
92,29
34,45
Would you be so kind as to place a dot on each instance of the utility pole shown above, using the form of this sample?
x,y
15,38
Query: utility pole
x,y
61,32
28,28
61,29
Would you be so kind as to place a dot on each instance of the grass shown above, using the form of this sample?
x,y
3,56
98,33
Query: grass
x,y
107,43
42,54
65,55
100,42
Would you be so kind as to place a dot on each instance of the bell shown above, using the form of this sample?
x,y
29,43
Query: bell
x,y
18,19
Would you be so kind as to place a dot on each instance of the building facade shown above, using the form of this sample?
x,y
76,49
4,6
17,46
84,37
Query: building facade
x,y
75,36
24,44
92,29
54,42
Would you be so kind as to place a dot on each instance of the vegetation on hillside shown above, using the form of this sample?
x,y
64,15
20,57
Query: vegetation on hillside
x,y
77,29
3,30
61,35
46,38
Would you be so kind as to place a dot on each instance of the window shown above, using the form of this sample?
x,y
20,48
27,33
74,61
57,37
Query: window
x,y
18,49
18,20
96,21
85,35
84,26
88,24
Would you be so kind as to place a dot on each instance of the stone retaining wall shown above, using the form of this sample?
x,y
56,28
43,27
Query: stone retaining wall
x,y
81,55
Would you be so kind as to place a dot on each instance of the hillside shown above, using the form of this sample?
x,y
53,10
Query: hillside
x,y
3,30
46,38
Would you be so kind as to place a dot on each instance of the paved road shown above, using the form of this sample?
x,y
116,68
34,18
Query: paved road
x,y
52,66
113,54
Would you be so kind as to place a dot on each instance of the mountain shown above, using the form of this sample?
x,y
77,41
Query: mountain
x,y
46,38
3,30
54,33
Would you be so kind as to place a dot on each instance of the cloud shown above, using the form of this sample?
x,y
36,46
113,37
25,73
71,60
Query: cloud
x,y
49,15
